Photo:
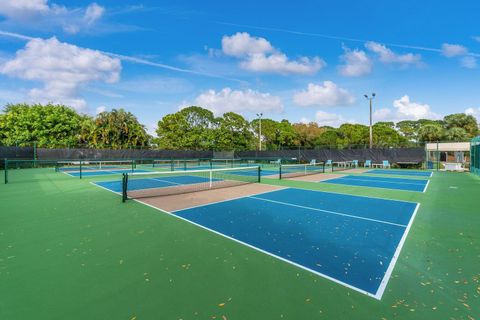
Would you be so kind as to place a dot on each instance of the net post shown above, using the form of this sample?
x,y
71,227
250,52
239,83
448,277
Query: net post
x,y
124,187
323,167
280,171
259,174
210,179
80,169
6,170
133,165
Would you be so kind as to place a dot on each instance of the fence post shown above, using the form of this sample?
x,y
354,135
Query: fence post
x,y
6,170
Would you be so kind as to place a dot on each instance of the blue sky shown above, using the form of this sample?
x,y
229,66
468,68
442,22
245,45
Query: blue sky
x,y
302,60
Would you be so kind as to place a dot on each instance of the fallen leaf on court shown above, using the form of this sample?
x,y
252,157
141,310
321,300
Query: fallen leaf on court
x,y
221,304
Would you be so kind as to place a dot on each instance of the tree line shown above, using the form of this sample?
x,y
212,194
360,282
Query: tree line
x,y
196,128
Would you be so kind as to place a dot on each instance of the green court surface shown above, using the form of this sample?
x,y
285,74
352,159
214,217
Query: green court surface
x,y
70,250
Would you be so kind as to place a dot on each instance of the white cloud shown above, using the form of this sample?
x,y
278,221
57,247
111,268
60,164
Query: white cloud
x,y
404,109
330,119
257,54
100,109
468,62
326,95
473,112
386,55
279,63
93,13
242,44
41,13
238,101
22,9
453,50
62,68
355,63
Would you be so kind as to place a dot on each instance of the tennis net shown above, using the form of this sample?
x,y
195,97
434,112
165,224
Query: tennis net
x,y
215,163
157,184
94,165
296,170
182,164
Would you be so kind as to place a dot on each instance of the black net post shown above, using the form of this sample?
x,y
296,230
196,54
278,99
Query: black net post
x,y
6,170
280,171
80,169
124,187
323,167
259,174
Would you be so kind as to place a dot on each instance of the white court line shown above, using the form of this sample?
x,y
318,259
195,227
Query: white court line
x,y
376,180
263,251
226,200
388,273
328,211
385,279
426,186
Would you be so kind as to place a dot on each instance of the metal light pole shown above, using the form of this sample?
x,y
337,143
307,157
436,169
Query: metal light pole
x,y
370,98
259,115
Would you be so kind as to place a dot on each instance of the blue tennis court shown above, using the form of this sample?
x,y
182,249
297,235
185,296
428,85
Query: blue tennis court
x,y
402,172
348,239
418,185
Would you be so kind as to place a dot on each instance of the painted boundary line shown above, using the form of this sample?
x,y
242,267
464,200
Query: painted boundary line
x,y
328,211
378,295
396,255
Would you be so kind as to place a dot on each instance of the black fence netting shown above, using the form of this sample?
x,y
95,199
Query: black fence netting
x,y
17,152
47,154
394,155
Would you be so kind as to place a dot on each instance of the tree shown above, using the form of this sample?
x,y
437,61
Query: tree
x,y
233,133
461,120
329,138
308,134
409,129
353,134
47,125
456,134
430,132
384,135
192,128
117,129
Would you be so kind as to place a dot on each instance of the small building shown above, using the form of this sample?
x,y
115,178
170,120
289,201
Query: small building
x,y
449,156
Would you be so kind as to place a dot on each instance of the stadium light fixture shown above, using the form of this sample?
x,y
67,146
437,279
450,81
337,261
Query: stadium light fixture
x,y
370,98
259,115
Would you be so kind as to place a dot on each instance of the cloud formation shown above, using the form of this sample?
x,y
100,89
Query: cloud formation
x,y
405,109
467,60
37,13
387,56
62,68
239,101
355,63
330,119
258,55
473,112
453,50
327,94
